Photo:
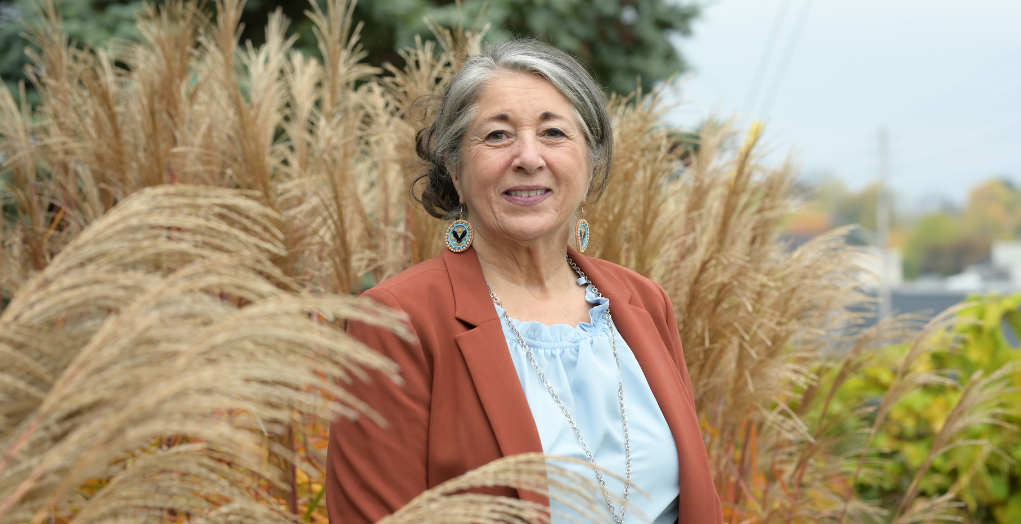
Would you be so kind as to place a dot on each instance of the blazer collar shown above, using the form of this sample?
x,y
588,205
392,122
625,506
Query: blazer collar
x,y
472,303
606,282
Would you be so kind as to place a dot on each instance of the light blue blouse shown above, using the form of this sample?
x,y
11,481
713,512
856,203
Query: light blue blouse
x,y
578,363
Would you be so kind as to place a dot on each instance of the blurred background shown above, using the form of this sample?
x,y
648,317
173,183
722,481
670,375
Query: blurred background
x,y
904,114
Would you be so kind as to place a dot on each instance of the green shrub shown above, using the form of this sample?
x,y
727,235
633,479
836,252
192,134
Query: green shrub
x,y
983,465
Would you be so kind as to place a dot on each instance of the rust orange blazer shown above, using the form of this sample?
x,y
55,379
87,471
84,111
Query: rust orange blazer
x,y
462,405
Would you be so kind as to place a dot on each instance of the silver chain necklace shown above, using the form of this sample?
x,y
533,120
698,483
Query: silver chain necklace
x,y
560,403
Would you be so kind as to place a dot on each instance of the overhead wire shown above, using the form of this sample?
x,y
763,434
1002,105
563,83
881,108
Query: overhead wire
x,y
984,143
982,139
996,65
767,54
792,44
978,75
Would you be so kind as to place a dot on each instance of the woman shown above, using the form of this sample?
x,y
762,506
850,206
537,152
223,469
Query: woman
x,y
510,320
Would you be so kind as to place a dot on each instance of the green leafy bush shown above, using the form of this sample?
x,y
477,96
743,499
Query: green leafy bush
x,y
982,466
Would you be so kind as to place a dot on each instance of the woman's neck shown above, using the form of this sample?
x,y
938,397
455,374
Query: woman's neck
x,y
534,281
540,267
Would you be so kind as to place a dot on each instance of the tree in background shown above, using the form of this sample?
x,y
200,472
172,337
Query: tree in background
x,y
620,40
994,211
856,208
930,245
829,203
942,242
945,242
86,22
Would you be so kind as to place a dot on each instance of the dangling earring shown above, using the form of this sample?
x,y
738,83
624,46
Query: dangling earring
x,y
581,232
460,234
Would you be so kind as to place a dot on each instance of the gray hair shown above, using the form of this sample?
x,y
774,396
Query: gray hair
x,y
439,144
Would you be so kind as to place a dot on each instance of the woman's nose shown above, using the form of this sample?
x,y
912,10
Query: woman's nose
x,y
528,157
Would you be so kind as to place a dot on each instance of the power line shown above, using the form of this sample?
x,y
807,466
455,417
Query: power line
x,y
996,66
911,126
991,72
950,153
984,143
767,54
792,44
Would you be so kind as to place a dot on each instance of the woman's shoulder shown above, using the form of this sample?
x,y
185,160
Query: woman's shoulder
x,y
426,281
425,294
625,281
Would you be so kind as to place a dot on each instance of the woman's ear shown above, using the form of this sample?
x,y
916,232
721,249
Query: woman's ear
x,y
455,179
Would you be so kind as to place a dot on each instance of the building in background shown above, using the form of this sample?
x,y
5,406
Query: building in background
x,y
930,295
1001,273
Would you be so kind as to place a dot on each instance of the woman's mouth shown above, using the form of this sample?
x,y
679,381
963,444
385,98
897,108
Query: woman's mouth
x,y
527,197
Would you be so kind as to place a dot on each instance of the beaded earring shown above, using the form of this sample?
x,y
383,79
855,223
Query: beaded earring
x,y
581,231
460,234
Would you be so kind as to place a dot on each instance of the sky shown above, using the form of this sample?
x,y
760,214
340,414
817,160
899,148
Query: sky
x,y
943,77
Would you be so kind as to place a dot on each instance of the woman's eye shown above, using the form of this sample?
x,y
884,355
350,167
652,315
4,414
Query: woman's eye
x,y
496,135
555,133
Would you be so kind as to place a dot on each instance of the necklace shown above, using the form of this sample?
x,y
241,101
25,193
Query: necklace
x,y
560,403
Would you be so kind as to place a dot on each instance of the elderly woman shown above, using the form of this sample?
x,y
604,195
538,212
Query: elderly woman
x,y
524,344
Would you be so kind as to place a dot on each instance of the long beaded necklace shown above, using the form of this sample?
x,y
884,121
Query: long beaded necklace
x,y
560,403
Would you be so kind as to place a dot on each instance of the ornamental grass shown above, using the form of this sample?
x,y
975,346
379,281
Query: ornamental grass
x,y
187,219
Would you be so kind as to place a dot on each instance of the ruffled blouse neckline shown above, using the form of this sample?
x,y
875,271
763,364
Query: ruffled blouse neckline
x,y
563,336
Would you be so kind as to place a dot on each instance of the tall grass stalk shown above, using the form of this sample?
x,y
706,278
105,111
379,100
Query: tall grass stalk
x,y
186,218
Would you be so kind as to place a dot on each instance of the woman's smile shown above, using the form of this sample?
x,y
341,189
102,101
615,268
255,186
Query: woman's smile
x,y
527,195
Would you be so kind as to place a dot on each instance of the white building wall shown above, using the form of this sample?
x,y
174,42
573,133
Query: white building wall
x,y
1007,254
878,270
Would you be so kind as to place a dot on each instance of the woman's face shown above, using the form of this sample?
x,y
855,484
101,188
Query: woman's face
x,y
524,167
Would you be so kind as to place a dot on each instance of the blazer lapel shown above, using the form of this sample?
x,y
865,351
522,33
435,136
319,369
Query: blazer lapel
x,y
638,329
485,352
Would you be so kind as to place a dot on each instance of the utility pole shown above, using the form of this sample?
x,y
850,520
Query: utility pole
x,y
883,223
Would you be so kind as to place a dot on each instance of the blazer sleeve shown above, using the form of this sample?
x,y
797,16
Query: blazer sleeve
x,y
673,339
372,471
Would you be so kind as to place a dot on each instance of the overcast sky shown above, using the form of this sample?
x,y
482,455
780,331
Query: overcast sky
x,y
944,77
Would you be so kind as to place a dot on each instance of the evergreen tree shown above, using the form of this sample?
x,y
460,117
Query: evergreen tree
x,y
620,40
